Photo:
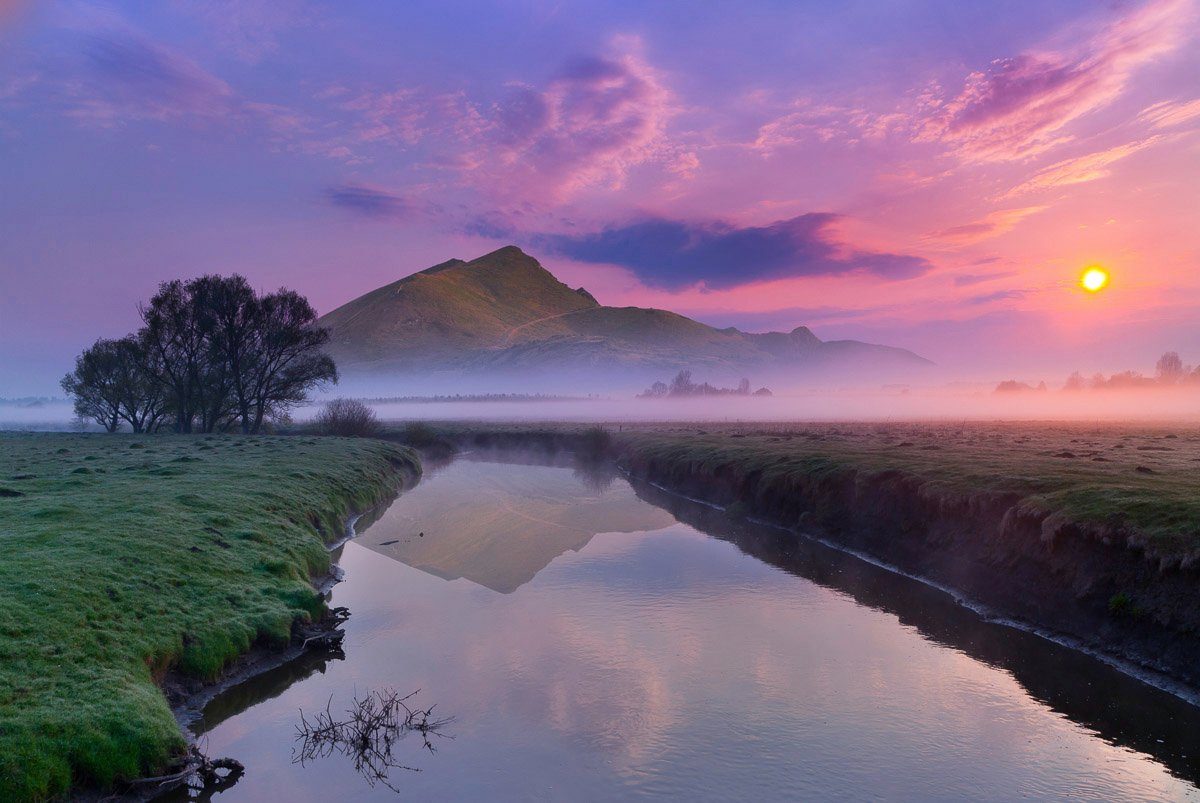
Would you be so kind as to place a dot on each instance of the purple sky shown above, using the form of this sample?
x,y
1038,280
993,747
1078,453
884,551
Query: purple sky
x,y
932,175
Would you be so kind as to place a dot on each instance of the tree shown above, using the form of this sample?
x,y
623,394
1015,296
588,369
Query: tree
x,y
177,344
95,384
211,354
141,401
743,387
222,353
682,385
1075,382
1169,368
111,384
232,318
288,359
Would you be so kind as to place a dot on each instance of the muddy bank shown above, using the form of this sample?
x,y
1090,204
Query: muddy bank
x,y
1100,586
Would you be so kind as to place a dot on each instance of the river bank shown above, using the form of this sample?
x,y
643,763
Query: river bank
x,y
1090,533
135,564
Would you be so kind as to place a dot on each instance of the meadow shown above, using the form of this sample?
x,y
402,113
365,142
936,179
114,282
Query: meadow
x,y
128,557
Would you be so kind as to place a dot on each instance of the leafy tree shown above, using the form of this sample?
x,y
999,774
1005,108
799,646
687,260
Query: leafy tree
x,y
141,401
95,384
1169,367
211,354
174,337
682,385
288,359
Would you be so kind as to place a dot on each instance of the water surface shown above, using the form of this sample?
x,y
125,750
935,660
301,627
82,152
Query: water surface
x,y
597,642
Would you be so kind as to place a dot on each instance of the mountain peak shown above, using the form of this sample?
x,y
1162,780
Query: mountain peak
x,y
508,252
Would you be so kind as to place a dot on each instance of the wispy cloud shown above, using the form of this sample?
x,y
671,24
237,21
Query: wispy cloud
x,y
1020,106
128,77
367,201
595,119
249,29
993,224
1169,114
1081,169
674,254
999,295
969,279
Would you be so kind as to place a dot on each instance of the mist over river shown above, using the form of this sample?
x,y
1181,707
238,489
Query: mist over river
x,y
593,640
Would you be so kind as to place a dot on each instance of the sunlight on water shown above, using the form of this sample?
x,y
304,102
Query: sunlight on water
x,y
592,646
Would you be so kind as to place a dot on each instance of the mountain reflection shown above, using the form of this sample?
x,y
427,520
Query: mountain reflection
x,y
498,529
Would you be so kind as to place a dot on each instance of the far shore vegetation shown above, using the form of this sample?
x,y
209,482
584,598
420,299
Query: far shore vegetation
x,y
127,558
682,386
1169,372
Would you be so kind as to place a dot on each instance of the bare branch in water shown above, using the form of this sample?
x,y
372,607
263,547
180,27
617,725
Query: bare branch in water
x,y
373,726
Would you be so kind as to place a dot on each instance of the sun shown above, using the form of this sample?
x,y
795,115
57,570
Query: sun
x,y
1094,279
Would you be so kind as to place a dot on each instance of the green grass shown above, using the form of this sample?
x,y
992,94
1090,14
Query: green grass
x,y
122,557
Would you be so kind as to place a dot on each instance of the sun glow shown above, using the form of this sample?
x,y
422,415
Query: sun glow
x,y
1094,280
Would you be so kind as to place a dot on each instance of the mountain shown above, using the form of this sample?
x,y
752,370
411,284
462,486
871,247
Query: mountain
x,y
504,314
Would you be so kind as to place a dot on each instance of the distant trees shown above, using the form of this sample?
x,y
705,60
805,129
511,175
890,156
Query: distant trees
x,y
211,355
1169,367
1169,370
683,386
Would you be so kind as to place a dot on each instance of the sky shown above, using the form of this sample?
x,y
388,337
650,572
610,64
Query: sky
x,y
931,175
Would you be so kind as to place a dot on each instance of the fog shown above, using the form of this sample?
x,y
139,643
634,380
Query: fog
x,y
948,402
955,403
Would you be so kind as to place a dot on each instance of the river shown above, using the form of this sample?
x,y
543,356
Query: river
x,y
596,641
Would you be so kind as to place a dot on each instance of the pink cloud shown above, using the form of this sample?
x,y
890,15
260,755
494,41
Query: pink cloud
x,y
1020,106
1081,169
1169,114
593,122
992,225
589,125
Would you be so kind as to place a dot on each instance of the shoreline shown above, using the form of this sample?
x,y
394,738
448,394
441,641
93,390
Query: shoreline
x,y
188,697
187,705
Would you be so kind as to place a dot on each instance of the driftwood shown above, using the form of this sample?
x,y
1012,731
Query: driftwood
x,y
374,725
325,633
198,772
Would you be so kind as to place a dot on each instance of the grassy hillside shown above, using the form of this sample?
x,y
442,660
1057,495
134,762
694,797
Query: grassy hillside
x,y
126,556
450,309
504,311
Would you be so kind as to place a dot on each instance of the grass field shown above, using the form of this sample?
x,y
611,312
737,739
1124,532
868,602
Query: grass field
x,y
126,556
1144,477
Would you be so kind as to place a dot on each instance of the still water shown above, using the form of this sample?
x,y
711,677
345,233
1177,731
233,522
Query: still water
x,y
596,641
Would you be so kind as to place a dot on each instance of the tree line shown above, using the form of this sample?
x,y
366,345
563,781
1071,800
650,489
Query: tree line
x,y
683,386
1170,370
211,355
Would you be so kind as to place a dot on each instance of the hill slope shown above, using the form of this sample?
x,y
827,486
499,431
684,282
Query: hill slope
x,y
504,312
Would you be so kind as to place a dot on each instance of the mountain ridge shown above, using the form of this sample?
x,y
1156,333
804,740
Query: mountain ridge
x,y
505,312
